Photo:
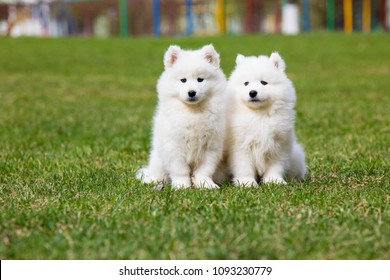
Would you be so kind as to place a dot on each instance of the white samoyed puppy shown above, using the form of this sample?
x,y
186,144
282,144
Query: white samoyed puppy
x,y
188,128
260,140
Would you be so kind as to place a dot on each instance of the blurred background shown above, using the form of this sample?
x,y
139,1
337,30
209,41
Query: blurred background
x,y
104,18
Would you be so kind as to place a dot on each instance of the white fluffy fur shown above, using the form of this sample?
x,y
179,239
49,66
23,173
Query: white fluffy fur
x,y
261,141
187,132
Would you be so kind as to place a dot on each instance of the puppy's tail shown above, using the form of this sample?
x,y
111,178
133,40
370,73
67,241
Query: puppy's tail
x,y
297,168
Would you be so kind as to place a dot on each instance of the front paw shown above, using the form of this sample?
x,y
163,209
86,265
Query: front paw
x,y
274,179
245,182
144,176
181,183
205,183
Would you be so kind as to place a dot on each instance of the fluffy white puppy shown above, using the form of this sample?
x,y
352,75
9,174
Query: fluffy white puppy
x,y
188,127
261,141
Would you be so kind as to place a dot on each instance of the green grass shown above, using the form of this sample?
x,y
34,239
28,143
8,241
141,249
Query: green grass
x,y
75,120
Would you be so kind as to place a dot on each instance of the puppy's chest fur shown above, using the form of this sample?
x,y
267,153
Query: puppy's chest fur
x,y
263,134
192,132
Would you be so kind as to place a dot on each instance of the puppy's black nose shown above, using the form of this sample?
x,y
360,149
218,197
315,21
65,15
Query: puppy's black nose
x,y
192,93
252,93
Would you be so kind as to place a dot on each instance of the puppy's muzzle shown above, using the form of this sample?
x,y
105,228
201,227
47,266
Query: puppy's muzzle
x,y
192,96
192,93
253,93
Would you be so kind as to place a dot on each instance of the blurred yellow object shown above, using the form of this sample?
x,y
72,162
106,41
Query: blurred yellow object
x,y
348,16
220,16
366,15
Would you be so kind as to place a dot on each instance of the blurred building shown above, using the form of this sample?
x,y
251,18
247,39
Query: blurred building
x,y
187,17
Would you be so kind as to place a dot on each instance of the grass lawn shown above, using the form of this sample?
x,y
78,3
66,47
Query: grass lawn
x,y
75,119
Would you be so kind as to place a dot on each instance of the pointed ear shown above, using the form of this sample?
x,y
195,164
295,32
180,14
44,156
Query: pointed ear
x,y
171,55
239,58
211,55
277,61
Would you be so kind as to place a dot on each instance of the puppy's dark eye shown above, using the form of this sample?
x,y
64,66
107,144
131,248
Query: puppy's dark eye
x,y
246,83
183,80
200,80
263,83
